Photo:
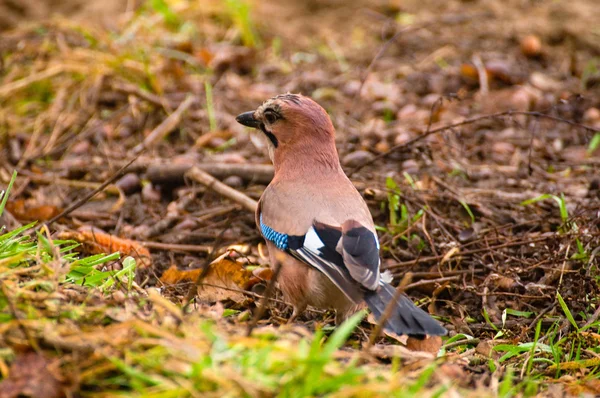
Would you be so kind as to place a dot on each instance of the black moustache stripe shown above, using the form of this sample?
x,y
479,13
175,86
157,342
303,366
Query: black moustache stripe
x,y
269,135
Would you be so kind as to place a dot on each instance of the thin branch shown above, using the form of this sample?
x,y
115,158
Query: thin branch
x,y
168,125
80,202
205,268
465,122
206,179
265,300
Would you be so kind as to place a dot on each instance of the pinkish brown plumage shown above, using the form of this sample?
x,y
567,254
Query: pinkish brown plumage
x,y
317,225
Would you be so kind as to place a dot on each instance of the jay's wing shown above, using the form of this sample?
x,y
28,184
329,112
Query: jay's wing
x,y
348,255
357,248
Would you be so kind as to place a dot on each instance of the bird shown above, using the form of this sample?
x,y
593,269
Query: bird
x,y
317,227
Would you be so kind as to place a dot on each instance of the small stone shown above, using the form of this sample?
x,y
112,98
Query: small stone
x,y
382,146
544,82
357,158
521,100
591,115
375,128
410,166
502,151
376,90
228,158
430,99
325,93
351,88
383,107
402,137
407,112
118,296
466,234
259,288
81,148
503,148
216,142
234,181
503,71
186,225
129,183
150,194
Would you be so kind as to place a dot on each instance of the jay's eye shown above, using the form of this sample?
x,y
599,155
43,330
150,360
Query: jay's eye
x,y
271,117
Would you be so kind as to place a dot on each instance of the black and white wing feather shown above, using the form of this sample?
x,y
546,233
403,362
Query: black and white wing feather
x,y
349,257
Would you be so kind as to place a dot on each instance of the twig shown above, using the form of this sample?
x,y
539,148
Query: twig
x,y
388,309
425,282
161,173
467,252
466,122
434,274
265,300
43,179
168,125
176,247
206,179
483,78
17,85
205,268
132,89
448,19
593,318
80,202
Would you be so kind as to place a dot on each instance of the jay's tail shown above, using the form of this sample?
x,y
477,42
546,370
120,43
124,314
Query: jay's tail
x,y
406,318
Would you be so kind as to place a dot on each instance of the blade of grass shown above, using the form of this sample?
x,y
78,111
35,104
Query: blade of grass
x,y
4,194
566,310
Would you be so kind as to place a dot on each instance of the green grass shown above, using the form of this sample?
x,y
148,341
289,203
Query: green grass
x,y
143,345
239,12
115,338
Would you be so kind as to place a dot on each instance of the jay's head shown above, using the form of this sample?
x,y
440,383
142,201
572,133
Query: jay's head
x,y
291,120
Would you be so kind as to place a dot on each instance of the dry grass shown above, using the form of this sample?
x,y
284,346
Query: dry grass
x,y
496,218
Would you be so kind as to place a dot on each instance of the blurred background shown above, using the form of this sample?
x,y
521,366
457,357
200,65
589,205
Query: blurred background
x,y
87,85
470,127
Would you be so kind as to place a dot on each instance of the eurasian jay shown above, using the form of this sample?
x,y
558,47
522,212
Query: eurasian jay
x,y
317,226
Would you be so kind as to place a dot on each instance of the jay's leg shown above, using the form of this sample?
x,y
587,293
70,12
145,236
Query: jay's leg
x,y
298,309
344,312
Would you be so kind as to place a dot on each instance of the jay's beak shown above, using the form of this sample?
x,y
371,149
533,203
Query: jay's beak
x,y
247,119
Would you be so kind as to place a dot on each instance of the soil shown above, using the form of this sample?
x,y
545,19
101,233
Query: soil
x,y
500,212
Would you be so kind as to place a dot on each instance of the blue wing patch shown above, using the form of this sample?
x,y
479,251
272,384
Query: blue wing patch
x,y
280,240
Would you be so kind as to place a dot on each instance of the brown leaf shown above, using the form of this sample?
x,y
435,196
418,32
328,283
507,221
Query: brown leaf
x,y
96,241
31,375
259,275
485,348
23,211
431,344
223,274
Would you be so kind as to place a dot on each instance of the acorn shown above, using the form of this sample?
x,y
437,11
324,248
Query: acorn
x,y
531,46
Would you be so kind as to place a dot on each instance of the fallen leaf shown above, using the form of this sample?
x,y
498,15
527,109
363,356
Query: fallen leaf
x,y
225,280
486,348
431,344
96,241
23,211
32,375
387,351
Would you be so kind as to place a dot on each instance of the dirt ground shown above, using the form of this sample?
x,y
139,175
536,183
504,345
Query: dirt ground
x,y
499,212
